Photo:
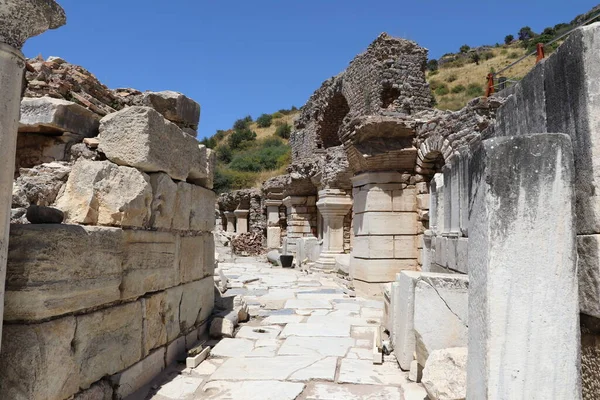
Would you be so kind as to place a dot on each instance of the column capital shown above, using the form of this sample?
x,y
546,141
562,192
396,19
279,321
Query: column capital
x,y
22,19
229,214
273,203
334,202
241,213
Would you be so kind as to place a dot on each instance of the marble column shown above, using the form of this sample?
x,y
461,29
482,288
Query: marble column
x,y
241,217
273,228
230,221
333,205
19,20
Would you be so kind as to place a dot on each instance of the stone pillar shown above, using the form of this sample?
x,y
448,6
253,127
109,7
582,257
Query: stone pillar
x,y
333,205
523,303
19,20
273,228
241,217
230,221
301,219
385,228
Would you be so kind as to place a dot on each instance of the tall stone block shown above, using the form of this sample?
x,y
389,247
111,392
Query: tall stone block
x,y
523,303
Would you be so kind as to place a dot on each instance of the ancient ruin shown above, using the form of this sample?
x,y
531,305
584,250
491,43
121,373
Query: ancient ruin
x,y
436,255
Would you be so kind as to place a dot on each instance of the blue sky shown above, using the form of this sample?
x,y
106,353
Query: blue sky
x,y
248,57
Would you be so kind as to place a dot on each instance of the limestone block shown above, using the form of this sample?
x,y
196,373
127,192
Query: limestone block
x,y
164,195
99,391
35,148
153,144
382,223
39,185
406,246
102,193
140,374
183,207
523,300
590,357
171,312
150,262
588,267
154,310
441,313
60,269
405,200
194,263
202,212
445,374
21,20
36,362
462,255
108,341
197,302
379,270
423,201
373,247
373,200
403,306
175,351
56,116
273,237
175,107
452,253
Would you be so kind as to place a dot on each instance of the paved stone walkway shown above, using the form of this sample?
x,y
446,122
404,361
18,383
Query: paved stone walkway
x,y
306,340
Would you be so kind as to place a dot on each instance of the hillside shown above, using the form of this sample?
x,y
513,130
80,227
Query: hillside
x,y
252,151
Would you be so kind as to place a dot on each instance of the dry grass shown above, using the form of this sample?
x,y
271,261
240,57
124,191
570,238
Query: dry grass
x,y
472,73
270,131
265,175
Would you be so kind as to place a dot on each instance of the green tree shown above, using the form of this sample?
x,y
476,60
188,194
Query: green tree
x,y
240,136
224,153
465,48
264,121
525,33
432,65
284,131
508,39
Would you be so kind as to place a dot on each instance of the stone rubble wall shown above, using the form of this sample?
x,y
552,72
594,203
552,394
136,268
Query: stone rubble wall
x,y
98,306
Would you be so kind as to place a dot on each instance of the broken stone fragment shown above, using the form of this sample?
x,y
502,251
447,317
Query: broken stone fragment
x,y
445,374
153,145
44,215
175,107
39,185
22,19
56,116
102,193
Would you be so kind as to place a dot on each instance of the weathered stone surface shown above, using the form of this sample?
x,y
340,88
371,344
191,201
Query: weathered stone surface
x,y
102,193
441,313
20,20
194,260
171,312
523,194
39,185
260,368
164,194
150,262
590,357
403,298
329,391
107,341
175,107
197,302
58,269
99,391
155,310
202,213
37,362
183,207
56,116
153,144
252,390
140,374
34,149
445,374
44,215
588,268
379,270
365,372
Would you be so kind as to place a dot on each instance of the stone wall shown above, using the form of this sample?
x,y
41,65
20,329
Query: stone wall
x,y
101,304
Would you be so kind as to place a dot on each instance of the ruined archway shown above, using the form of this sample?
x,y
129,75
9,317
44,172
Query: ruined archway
x,y
331,122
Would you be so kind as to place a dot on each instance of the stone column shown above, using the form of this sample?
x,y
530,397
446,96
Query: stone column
x,y
230,221
301,219
333,205
273,228
19,20
523,303
241,220
385,229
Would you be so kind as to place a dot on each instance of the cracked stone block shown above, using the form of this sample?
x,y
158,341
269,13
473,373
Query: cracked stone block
x,y
21,20
202,212
107,341
195,260
175,107
253,390
99,391
440,313
197,302
164,194
153,144
102,193
59,269
56,116
139,374
37,363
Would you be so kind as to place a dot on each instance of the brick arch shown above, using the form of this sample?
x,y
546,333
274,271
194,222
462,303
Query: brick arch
x,y
331,121
432,154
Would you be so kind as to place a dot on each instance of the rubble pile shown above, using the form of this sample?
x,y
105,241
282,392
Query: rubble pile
x,y
249,243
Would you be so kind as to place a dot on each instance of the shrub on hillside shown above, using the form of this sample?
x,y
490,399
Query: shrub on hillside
x,y
242,123
277,115
432,65
264,121
284,131
220,135
434,73
224,153
465,48
209,142
454,64
240,136
475,57
475,90
442,90
458,89
227,179
526,33
508,39
259,158
488,55
514,54
451,78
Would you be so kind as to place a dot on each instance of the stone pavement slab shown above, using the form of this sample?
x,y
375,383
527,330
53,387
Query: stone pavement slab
x,y
322,329
319,346
262,368
331,391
